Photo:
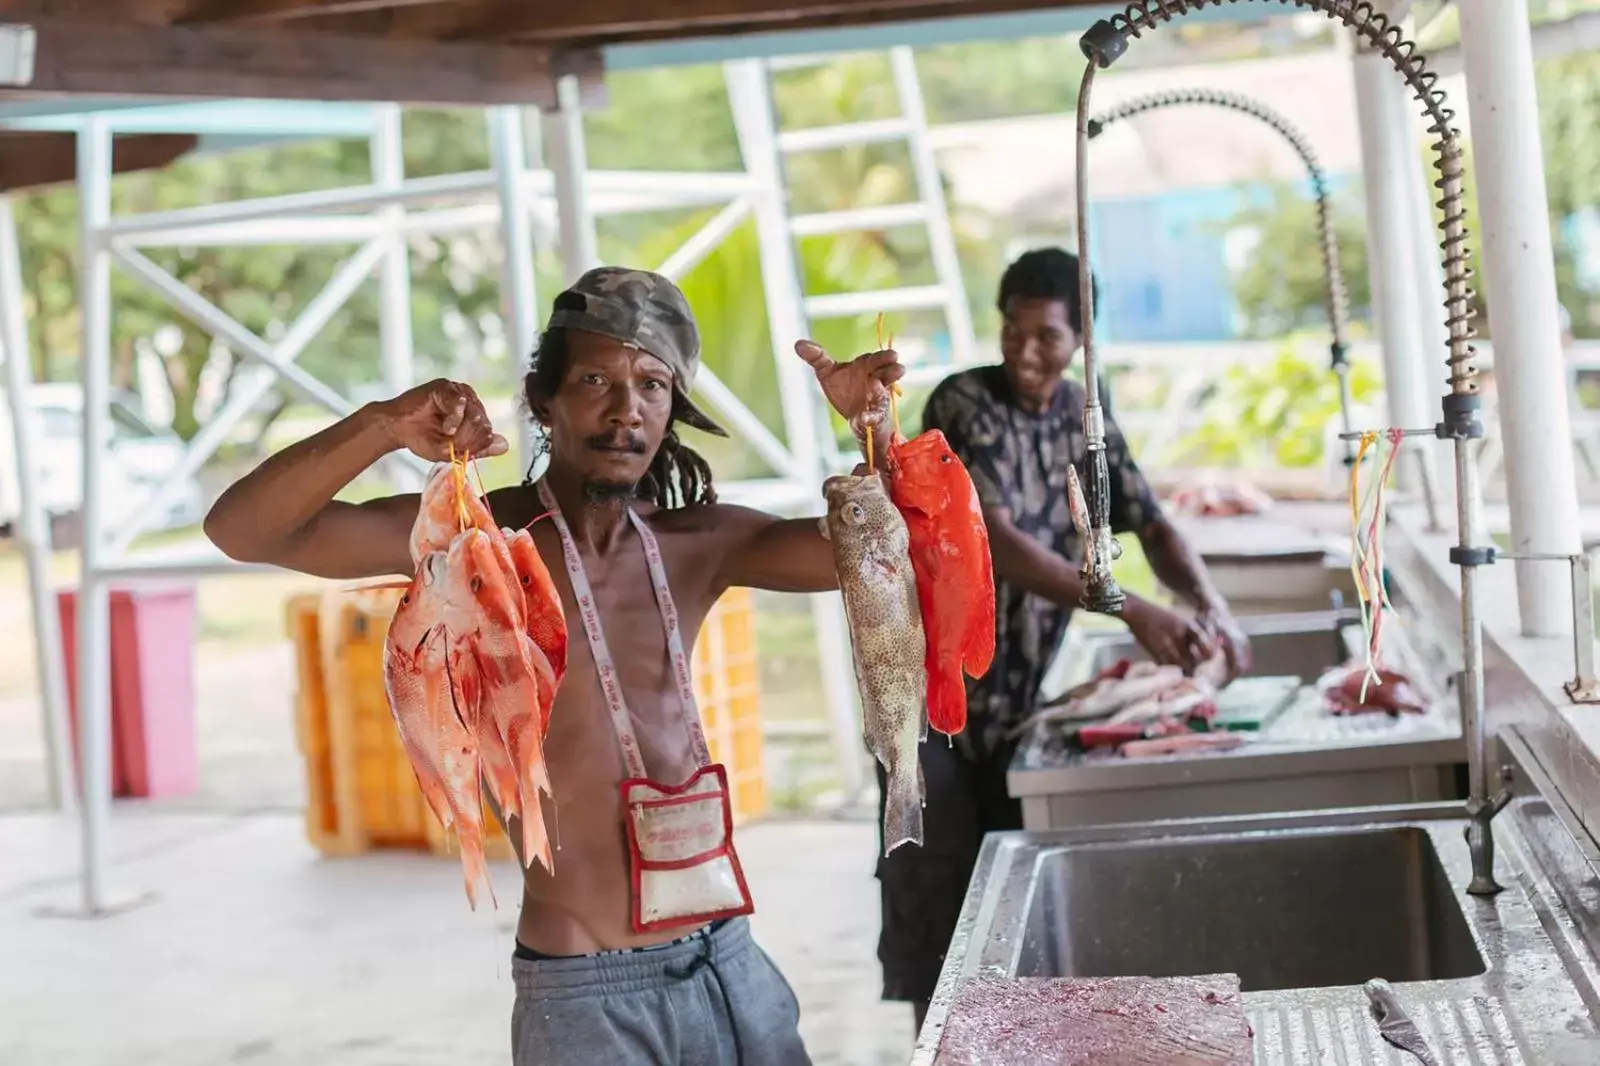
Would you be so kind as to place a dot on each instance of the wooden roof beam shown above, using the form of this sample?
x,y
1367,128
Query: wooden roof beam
x,y
598,22
31,158
137,59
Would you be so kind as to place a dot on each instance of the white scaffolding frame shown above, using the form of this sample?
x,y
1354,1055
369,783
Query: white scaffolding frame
x,y
376,219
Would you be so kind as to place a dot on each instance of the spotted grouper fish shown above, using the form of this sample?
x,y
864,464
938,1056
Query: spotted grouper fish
x,y
871,552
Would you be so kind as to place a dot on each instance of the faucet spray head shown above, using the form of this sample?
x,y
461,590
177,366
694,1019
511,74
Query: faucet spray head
x,y
1100,591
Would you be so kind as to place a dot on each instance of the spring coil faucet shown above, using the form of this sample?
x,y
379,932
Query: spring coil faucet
x,y
1103,44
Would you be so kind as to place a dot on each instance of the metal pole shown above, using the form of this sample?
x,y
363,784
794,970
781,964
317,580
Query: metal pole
x,y
1389,242
394,300
1518,262
33,525
94,622
509,155
567,158
750,99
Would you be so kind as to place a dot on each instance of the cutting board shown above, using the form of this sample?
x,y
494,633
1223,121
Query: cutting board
x,y
1250,704
1097,1021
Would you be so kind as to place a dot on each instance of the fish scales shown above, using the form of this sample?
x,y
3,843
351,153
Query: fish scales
x,y
871,552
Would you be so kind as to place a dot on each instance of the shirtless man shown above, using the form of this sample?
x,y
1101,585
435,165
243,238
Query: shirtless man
x,y
608,387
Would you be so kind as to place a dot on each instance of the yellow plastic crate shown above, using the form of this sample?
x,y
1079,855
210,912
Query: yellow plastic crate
x,y
727,685
361,792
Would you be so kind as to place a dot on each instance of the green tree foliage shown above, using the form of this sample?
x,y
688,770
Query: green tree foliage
x,y
1281,288
1273,414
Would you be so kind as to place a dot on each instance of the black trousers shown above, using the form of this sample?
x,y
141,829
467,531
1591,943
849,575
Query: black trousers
x,y
923,888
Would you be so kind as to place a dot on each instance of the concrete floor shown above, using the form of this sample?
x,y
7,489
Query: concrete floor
x,y
257,950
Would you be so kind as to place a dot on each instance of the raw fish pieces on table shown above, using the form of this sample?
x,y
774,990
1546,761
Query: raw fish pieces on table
x,y
1391,692
871,555
469,682
949,546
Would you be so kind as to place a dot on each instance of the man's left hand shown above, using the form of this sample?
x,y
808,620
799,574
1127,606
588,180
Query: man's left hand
x,y
1229,637
858,389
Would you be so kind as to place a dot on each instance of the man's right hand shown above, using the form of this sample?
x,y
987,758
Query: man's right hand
x,y
1168,637
442,415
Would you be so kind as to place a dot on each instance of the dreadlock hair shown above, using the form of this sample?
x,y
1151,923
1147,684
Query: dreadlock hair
x,y
678,476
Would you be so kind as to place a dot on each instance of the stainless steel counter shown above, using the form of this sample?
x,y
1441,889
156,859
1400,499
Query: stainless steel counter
x,y
1305,760
1305,908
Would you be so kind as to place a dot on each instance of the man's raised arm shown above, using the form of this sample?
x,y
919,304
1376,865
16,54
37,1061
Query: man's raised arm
x,y
284,513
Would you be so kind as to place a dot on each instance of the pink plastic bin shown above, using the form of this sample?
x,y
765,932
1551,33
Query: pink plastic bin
x,y
153,748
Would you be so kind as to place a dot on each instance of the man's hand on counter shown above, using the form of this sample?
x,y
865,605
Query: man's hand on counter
x,y
1168,637
1227,635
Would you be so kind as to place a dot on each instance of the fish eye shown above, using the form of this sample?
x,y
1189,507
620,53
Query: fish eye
x,y
857,512
944,458
526,581
477,583
405,599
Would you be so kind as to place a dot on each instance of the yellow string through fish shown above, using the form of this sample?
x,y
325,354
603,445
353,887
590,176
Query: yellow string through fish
x,y
458,476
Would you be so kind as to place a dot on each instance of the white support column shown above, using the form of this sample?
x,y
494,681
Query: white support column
x,y
566,156
33,525
394,302
94,621
508,155
1519,282
751,101
1386,149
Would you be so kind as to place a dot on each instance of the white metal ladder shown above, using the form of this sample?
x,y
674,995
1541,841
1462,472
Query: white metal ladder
x,y
929,209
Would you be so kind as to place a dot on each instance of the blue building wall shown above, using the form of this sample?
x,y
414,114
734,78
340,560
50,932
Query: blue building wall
x,y
1162,263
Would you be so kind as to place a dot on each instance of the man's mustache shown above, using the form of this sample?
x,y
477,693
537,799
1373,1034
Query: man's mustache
x,y
618,442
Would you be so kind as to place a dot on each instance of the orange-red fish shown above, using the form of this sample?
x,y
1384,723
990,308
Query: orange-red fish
x,y
501,675
440,733
955,575
545,623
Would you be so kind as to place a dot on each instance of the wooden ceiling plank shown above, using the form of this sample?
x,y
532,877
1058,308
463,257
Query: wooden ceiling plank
x,y
238,62
598,22
30,159
262,11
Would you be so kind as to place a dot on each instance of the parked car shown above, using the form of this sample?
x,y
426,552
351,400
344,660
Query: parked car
x,y
140,458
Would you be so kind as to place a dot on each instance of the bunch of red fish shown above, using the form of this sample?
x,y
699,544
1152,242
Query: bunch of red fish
x,y
950,557
474,655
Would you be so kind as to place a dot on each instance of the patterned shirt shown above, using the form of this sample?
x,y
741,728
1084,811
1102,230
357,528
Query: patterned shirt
x,y
1018,460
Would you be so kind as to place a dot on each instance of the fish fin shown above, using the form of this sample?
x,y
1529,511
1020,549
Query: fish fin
x,y
977,649
822,527
947,698
465,688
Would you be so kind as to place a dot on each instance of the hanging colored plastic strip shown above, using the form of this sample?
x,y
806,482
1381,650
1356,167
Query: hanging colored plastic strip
x,y
1368,524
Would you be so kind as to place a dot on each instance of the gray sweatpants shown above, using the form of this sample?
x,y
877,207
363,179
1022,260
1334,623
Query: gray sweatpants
x,y
713,999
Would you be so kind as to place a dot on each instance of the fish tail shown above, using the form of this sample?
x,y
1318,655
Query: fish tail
x,y
536,835
947,698
474,865
902,808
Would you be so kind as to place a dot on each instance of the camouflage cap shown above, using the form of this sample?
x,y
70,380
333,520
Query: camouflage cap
x,y
645,311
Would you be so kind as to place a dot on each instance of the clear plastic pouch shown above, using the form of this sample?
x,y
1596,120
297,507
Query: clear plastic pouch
x,y
680,850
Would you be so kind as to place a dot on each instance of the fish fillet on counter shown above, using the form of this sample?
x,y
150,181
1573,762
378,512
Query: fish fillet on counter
x,y
871,552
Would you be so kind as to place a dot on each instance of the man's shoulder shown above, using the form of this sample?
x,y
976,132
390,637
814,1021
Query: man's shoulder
x,y
715,520
965,392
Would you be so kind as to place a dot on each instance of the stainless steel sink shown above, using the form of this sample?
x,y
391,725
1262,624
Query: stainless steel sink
x,y
1304,907
1304,644
1302,911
